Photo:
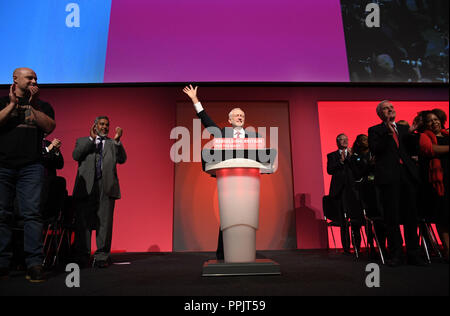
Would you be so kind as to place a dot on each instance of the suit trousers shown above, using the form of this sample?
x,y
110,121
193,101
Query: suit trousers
x,y
398,200
95,212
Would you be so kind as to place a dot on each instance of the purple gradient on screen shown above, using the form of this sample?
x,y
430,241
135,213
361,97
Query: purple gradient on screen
x,y
226,41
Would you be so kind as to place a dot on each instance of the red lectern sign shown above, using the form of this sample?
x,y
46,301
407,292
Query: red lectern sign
x,y
236,143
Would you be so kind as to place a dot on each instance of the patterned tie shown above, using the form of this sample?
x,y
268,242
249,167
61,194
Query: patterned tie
x,y
98,165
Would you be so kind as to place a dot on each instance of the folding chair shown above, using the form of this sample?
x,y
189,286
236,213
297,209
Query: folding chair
x,y
332,214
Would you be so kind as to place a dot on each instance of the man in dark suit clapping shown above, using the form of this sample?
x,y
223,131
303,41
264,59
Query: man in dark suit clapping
x,y
341,187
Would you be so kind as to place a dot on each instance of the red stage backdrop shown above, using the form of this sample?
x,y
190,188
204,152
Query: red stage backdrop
x,y
144,218
354,118
196,209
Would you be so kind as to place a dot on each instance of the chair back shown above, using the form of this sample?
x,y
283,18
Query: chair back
x,y
331,208
354,206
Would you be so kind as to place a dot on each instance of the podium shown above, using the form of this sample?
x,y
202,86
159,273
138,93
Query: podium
x,y
238,173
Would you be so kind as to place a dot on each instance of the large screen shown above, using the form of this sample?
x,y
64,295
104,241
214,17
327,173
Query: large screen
x,y
119,41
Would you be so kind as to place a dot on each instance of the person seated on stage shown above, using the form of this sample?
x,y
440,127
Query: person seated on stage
x,y
396,178
341,187
236,118
51,155
53,160
362,164
434,149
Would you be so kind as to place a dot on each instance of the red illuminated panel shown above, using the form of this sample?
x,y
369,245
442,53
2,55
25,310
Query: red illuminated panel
x,y
354,118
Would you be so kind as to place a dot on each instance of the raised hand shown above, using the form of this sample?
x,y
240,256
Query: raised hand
x,y
119,132
93,132
191,92
55,144
391,128
34,94
12,94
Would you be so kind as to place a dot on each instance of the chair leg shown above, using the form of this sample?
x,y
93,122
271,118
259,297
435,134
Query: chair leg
x,y
361,230
377,241
424,242
433,239
50,242
46,235
332,235
59,245
353,241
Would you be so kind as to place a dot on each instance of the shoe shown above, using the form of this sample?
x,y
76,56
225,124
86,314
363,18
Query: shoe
x,y
416,261
102,264
4,273
36,274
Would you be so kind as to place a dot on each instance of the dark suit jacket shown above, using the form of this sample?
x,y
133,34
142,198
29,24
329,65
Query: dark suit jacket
x,y
51,160
388,155
226,132
341,174
84,153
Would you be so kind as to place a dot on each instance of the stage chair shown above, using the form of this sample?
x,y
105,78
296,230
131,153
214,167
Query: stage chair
x,y
355,215
426,232
373,214
54,215
331,215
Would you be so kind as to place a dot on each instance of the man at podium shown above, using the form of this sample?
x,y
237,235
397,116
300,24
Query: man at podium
x,y
236,118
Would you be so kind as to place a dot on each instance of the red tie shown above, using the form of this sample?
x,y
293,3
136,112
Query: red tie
x,y
395,136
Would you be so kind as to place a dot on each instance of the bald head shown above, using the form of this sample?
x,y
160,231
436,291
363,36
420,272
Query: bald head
x,y
21,70
24,78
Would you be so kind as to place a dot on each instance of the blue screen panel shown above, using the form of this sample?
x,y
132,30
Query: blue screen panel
x,y
63,41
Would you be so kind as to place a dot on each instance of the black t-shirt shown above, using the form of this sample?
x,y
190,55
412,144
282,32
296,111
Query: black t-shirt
x,y
21,142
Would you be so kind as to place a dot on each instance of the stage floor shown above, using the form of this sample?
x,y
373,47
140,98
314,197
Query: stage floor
x,y
318,272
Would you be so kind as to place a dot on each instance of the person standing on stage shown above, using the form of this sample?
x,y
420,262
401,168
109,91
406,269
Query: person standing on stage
x,y
434,148
236,118
96,189
397,178
24,119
